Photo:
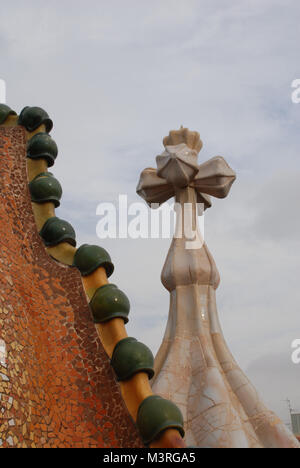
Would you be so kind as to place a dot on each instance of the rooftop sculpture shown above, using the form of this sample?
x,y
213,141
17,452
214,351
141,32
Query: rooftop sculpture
x,y
194,366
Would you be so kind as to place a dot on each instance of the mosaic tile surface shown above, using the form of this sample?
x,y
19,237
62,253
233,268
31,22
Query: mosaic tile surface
x,y
57,388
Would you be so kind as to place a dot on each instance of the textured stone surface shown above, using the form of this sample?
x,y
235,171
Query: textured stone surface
x,y
57,388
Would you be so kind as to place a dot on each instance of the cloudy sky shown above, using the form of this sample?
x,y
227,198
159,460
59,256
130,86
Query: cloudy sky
x,y
116,77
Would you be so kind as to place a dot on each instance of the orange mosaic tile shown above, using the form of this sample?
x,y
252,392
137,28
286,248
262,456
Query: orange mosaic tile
x,y
57,388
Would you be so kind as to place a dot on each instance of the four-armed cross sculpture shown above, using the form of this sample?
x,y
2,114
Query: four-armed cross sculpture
x,y
194,366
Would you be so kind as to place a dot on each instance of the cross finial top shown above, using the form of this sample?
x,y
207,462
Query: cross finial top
x,y
184,135
177,168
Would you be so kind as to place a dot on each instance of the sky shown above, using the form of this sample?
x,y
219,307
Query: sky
x,y
115,77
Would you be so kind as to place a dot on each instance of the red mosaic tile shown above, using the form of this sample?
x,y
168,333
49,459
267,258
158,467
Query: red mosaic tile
x,y
57,388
